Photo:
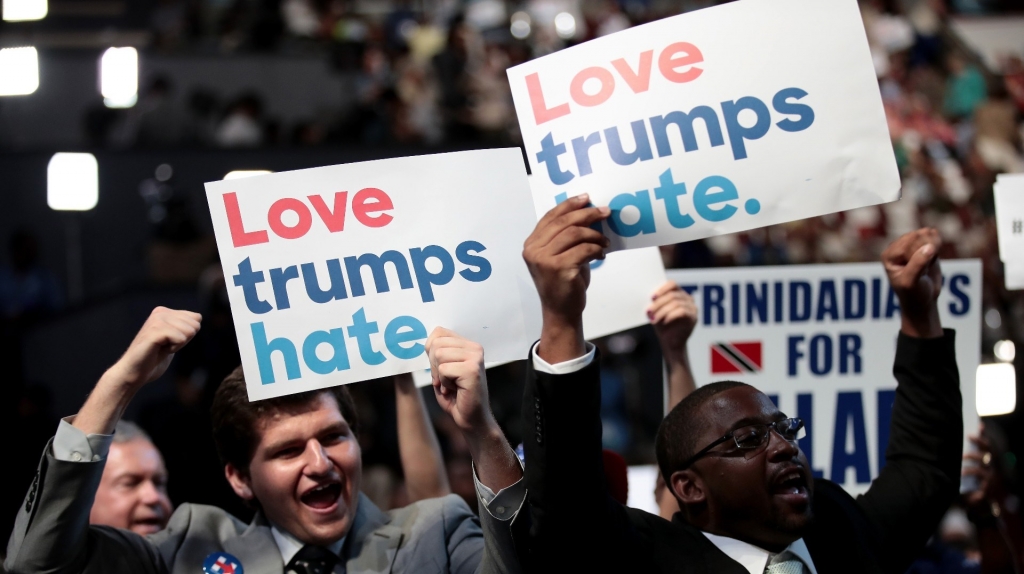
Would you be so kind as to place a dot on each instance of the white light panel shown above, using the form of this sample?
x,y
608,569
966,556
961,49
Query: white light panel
x,y
239,174
995,389
24,10
119,77
72,182
19,71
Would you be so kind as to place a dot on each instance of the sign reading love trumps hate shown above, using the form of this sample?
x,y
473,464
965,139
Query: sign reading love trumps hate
x,y
733,117
338,274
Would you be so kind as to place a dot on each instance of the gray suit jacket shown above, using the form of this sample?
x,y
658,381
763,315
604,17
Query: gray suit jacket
x,y
52,535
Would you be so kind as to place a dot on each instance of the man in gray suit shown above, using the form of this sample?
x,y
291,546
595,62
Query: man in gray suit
x,y
296,459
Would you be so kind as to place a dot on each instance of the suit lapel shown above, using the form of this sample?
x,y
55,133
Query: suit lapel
x,y
372,543
256,548
714,561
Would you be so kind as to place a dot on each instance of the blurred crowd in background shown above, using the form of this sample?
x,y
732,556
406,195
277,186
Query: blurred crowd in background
x,y
433,74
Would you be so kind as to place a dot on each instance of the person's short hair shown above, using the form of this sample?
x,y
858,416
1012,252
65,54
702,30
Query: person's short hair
x,y
678,434
127,431
235,419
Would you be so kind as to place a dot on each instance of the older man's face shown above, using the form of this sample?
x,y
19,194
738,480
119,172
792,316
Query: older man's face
x,y
133,491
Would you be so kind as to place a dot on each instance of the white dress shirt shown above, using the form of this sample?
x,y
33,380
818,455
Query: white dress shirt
x,y
72,445
755,559
751,557
290,546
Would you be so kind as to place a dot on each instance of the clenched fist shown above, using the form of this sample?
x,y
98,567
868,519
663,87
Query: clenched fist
x,y
459,379
912,264
163,334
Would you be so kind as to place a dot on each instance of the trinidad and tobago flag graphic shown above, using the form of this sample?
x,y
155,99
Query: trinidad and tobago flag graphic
x,y
736,357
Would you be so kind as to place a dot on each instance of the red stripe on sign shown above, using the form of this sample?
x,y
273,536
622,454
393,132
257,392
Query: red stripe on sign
x,y
722,364
752,351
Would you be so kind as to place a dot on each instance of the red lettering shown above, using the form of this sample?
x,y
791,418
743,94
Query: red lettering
x,y
278,226
688,55
239,236
335,221
594,72
640,80
372,200
541,112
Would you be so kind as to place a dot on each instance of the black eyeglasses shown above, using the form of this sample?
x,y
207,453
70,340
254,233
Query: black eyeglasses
x,y
753,436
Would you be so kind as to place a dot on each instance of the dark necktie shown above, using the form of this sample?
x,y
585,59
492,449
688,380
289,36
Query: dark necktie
x,y
312,560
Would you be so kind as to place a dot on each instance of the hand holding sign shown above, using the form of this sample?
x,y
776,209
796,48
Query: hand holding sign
x,y
459,379
460,385
558,254
673,314
913,268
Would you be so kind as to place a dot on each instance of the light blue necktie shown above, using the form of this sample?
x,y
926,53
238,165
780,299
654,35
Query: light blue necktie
x,y
785,563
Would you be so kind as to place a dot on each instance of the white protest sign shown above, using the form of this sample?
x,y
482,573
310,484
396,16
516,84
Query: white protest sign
x,y
1008,193
620,285
821,340
338,274
617,299
1013,274
711,122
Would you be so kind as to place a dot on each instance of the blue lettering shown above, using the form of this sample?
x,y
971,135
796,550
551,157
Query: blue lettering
x,y
850,410
795,354
757,302
465,254
264,351
424,278
247,280
313,290
712,300
360,330
643,146
394,337
669,191
827,304
961,297
849,352
886,398
783,106
854,302
279,279
581,149
354,267
684,121
703,199
821,354
339,358
799,292
641,200
738,132
548,155
805,411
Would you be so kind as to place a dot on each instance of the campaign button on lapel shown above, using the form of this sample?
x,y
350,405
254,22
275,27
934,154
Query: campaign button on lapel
x,y
222,563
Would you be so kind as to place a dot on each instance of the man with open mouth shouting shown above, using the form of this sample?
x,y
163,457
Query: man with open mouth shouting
x,y
296,459
748,501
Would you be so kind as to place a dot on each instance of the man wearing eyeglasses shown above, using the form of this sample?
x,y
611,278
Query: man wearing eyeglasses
x,y
748,502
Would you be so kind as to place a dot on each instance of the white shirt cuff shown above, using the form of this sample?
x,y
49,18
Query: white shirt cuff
x,y
72,445
565,367
506,503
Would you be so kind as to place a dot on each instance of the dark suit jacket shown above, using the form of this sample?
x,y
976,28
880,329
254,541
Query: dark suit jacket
x,y
879,531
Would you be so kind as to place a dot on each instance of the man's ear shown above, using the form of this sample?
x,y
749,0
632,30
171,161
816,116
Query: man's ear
x,y
688,487
239,482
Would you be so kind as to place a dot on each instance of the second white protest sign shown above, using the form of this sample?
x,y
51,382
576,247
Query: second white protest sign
x,y
337,274
711,122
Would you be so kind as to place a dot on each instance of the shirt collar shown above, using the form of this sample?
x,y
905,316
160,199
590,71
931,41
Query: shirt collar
x,y
290,546
754,559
